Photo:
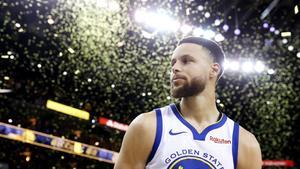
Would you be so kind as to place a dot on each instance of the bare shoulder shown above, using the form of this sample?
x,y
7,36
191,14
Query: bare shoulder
x,y
137,142
144,121
249,154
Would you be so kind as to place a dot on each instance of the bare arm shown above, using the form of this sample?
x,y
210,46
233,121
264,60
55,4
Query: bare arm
x,y
249,155
137,142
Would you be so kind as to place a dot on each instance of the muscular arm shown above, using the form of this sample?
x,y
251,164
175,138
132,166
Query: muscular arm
x,y
249,154
137,142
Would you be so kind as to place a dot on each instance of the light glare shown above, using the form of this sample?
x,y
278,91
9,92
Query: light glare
x,y
185,29
160,22
247,66
209,34
291,48
286,34
219,37
198,32
234,65
259,66
271,71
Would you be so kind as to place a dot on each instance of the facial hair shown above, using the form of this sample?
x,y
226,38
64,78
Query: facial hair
x,y
196,86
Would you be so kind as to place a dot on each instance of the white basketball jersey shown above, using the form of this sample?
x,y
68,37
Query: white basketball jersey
x,y
178,145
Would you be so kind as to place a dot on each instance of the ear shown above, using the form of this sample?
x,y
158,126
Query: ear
x,y
215,70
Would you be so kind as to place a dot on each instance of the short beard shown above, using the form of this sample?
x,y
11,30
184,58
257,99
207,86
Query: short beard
x,y
196,86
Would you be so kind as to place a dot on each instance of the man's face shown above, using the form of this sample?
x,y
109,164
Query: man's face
x,y
191,64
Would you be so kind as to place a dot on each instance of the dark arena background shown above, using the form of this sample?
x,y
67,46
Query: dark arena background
x,y
75,73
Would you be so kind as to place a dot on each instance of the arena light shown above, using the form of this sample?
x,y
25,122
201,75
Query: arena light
x,y
185,29
140,15
296,10
219,37
284,41
237,31
209,34
225,27
5,90
271,71
113,124
231,65
247,66
286,34
265,25
67,110
259,66
198,32
4,56
157,21
164,22
235,65
290,48
226,64
298,55
217,22
207,14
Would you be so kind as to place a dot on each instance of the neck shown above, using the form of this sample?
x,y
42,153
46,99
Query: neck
x,y
201,108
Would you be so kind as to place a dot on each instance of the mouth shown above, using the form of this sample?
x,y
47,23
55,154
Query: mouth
x,y
178,77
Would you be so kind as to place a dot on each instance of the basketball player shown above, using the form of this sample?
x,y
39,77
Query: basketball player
x,y
192,134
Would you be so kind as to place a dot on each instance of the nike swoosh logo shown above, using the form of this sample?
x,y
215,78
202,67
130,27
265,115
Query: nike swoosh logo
x,y
176,133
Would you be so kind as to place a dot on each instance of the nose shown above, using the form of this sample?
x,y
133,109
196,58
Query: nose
x,y
176,67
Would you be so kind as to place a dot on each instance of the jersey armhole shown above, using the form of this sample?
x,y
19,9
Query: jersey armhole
x,y
158,135
235,144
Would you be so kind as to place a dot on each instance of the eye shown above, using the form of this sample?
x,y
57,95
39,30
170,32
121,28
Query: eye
x,y
187,60
173,62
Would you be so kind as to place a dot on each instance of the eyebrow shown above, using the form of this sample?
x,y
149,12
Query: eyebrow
x,y
186,56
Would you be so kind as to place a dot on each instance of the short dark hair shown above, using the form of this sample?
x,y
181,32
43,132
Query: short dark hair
x,y
215,49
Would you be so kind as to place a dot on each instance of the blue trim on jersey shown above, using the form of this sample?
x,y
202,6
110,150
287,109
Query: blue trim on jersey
x,y
235,144
159,128
198,136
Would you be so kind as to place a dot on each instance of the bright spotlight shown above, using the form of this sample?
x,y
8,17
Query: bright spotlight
x,y
140,15
209,34
164,22
147,34
198,32
265,25
284,41
225,27
290,48
217,22
185,29
298,55
200,8
259,66
247,66
237,31
226,64
207,14
234,65
286,34
219,37
160,22
271,71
